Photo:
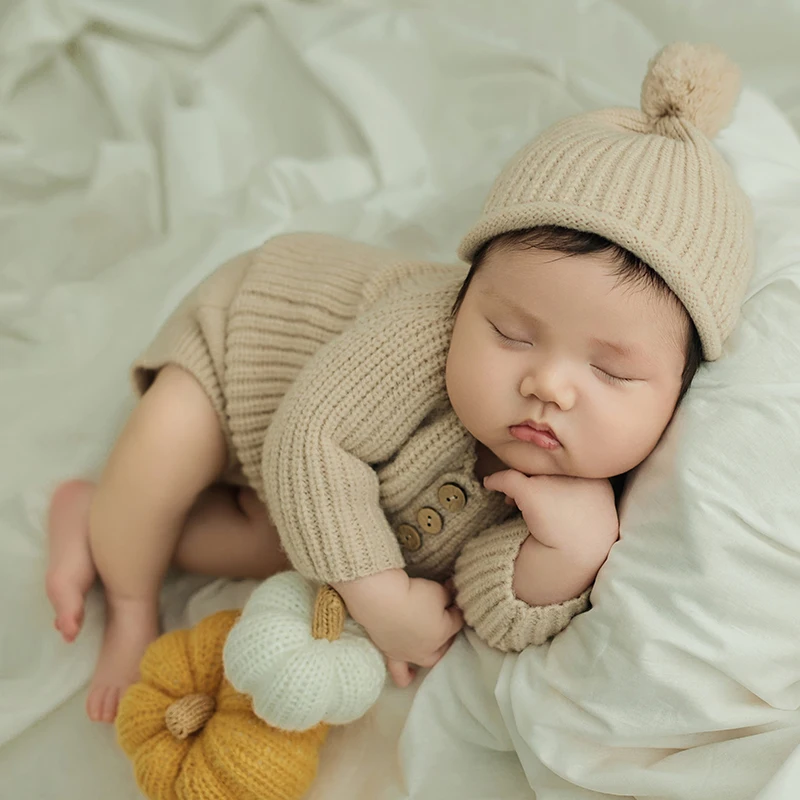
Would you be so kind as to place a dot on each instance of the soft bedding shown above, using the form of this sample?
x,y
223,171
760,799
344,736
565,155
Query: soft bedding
x,y
141,144
683,679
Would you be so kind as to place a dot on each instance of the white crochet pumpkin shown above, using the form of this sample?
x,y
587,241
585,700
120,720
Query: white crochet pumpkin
x,y
296,680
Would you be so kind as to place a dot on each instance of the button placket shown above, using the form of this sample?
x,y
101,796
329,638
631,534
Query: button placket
x,y
409,537
452,497
430,520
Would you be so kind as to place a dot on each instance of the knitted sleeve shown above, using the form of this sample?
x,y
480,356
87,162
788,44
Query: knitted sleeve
x,y
484,575
352,407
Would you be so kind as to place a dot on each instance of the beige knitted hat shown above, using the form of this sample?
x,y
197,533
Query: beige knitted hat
x,y
650,181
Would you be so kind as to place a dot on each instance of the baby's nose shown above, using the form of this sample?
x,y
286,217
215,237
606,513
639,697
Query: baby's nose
x,y
549,385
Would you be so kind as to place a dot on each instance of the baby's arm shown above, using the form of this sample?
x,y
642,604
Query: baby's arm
x,y
354,404
572,523
411,620
519,583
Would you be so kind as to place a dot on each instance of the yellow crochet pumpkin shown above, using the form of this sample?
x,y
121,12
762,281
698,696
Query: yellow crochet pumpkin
x,y
192,736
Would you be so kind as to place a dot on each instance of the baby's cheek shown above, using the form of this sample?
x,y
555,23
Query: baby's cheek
x,y
635,444
461,390
472,383
615,445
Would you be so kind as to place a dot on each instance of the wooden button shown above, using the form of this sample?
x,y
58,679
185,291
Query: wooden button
x,y
429,520
409,538
452,497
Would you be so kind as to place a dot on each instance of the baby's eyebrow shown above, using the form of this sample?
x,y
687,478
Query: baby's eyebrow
x,y
515,307
620,349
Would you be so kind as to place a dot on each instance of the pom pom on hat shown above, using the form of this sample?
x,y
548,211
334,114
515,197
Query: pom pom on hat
x,y
697,83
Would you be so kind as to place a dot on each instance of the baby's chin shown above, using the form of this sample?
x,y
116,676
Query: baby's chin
x,y
530,460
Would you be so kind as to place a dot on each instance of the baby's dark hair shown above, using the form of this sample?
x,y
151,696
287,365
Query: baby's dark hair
x,y
629,269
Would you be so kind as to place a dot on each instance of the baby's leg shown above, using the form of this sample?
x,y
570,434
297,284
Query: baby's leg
x,y
171,448
228,533
70,571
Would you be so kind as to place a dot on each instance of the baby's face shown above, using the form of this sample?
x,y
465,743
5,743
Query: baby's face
x,y
555,341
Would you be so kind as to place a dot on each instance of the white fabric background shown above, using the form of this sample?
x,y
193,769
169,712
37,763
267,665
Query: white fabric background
x,y
142,143
682,681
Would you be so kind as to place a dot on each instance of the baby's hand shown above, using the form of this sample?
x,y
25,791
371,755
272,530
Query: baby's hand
x,y
410,620
576,515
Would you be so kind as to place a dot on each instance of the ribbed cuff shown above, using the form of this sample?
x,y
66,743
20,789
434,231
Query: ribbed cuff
x,y
484,575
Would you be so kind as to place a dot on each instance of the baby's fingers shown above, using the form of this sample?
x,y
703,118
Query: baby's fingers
x,y
437,656
454,622
401,672
508,481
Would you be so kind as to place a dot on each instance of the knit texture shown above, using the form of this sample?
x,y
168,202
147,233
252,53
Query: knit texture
x,y
297,680
299,293
484,583
247,330
232,755
651,181
339,477
193,338
330,614
366,437
189,714
337,412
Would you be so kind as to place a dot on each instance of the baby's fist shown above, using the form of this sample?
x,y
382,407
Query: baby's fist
x,y
568,513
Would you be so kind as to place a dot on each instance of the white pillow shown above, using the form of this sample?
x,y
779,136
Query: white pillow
x,y
683,681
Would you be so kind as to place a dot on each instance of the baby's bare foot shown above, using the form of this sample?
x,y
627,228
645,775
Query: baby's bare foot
x,y
130,626
71,571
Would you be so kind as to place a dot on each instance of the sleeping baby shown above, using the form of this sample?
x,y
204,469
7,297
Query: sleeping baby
x,y
437,442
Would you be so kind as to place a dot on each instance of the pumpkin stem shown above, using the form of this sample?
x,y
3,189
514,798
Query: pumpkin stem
x,y
189,714
329,615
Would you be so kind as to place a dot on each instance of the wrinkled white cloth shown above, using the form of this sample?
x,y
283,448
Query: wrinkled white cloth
x,y
143,143
682,680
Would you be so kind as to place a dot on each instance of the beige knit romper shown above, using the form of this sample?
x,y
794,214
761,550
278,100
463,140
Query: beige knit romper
x,y
249,328
247,333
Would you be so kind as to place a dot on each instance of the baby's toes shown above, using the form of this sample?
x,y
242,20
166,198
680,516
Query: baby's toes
x,y
69,617
110,704
94,703
101,705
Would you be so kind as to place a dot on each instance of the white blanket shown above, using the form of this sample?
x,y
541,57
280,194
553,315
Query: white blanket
x,y
142,143
682,680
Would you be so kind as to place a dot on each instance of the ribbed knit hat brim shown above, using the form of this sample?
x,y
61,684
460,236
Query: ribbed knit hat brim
x,y
650,181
